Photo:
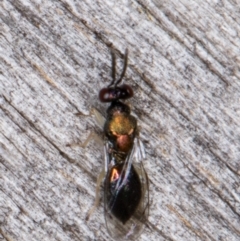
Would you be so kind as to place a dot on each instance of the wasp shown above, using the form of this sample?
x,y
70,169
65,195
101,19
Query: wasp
x,y
126,187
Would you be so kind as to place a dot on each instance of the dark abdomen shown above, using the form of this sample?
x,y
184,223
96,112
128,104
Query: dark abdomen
x,y
123,196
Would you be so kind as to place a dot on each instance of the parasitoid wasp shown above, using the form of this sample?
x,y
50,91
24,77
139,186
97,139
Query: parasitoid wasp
x,y
126,186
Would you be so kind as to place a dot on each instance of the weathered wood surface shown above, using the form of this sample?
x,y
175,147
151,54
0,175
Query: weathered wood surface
x,y
184,66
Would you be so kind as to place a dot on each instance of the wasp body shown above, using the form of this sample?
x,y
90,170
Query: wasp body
x,y
126,192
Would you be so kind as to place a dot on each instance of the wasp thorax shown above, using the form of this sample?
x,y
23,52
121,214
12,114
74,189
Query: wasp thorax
x,y
120,126
118,107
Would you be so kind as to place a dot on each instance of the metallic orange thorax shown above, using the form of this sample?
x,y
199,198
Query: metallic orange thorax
x,y
120,129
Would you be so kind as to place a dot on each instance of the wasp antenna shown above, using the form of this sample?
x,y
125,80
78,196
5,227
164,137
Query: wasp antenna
x,y
113,68
124,67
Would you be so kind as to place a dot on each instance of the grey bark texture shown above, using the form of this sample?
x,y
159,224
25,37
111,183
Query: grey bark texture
x,y
184,67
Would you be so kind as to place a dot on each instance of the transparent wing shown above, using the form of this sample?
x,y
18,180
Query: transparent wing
x,y
100,119
126,198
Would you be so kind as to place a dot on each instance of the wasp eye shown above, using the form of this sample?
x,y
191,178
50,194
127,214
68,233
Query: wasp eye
x,y
126,92
105,95
110,94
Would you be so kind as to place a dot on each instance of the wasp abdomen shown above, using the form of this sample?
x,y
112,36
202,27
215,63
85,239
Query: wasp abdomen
x,y
123,195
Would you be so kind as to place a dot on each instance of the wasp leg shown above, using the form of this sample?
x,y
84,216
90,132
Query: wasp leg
x,y
100,119
97,196
92,136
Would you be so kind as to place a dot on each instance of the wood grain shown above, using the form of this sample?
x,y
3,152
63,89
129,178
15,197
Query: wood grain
x,y
184,68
